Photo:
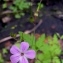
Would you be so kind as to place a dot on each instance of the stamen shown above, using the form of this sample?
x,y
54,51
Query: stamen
x,y
22,54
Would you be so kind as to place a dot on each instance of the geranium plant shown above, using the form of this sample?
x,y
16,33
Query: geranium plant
x,y
46,51
21,55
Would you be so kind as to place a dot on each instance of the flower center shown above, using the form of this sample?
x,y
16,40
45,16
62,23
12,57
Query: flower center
x,y
22,54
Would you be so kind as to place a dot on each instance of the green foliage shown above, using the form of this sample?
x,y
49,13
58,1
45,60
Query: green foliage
x,y
19,7
40,5
17,44
40,41
56,60
3,51
1,59
49,50
37,61
21,36
46,52
4,5
62,60
28,38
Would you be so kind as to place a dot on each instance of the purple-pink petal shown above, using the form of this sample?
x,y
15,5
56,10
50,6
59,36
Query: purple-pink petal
x,y
23,59
24,46
15,58
14,50
30,54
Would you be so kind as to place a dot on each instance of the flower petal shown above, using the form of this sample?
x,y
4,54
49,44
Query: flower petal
x,y
24,46
23,60
30,54
14,50
15,58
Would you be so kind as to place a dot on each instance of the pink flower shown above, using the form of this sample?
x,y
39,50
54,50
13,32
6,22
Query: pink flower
x,y
21,55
